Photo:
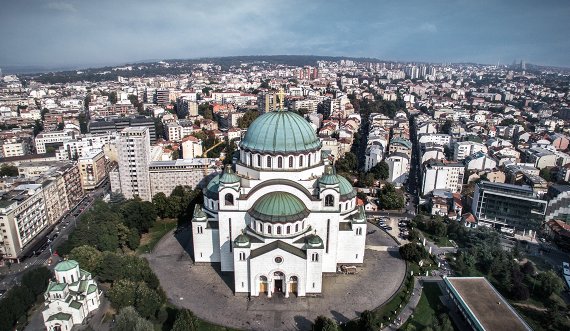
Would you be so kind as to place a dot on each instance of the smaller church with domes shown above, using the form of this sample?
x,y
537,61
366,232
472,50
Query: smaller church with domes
x,y
281,217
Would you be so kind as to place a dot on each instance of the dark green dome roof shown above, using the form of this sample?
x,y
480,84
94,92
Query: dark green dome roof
x,y
242,240
280,132
229,177
315,241
346,189
212,187
66,265
329,178
279,207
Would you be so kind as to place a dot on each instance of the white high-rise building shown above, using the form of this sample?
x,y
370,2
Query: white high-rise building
x,y
134,158
445,176
398,168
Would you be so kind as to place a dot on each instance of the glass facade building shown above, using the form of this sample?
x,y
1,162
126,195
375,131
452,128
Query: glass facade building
x,y
507,205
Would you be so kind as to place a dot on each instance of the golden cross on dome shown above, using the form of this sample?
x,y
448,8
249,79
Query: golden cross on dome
x,y
281,95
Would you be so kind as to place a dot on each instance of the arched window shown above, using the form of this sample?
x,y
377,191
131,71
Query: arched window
x,y
278,229
309,160
229,199
290,162
359,231
300,160
269,229
259,160
260,227
315,257
329,201
269,161
199,229
297,227
288,229
293,279
242,256
279,162
249,159
346,207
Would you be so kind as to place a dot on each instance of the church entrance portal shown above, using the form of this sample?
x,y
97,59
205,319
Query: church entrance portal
x,y
278,286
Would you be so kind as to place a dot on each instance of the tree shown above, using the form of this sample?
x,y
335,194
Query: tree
x,y
138,214
446,128
123,293
8,170
390,198
323,323
549,283
148,301
380,170
185,321
87,256
546,174
129,320
245,121
348,163
37,280
160,201
413,252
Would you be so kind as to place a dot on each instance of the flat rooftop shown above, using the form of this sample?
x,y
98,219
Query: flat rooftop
x,y
485,304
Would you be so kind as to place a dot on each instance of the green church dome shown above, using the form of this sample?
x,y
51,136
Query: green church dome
x,y
346,189
329,178
212,187
66,265
229,176
280,132
279,207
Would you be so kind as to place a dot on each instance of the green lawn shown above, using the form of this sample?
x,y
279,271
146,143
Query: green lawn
x,y
428,308
156,232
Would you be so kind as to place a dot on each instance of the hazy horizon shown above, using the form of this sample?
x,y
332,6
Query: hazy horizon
x,y
80,34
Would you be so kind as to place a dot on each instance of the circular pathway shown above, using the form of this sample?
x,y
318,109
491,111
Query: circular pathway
x,y
205,291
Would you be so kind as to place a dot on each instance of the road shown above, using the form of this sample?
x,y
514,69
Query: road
x,y
12,274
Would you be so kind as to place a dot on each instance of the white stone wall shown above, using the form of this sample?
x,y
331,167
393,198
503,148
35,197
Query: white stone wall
x,y
292,265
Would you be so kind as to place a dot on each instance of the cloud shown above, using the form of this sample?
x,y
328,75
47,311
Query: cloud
x,y
428,27
61,6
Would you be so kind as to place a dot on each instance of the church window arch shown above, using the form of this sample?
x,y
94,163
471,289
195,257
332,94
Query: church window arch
x,y
279,162
268,161
269,229
229,199
199,229
309,160
300,160
290,161
260,226
288,229
242,256
359,231
329,200
259,160
279,229
315,257
297,227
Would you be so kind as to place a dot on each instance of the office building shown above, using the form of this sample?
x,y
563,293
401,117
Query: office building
x,y
134,158
506,205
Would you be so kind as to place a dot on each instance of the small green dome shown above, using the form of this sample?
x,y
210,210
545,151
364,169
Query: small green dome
x,y
66,265
212,187
329,178
242,240
229,177
199,214
346,189
280,132
315,241
279,207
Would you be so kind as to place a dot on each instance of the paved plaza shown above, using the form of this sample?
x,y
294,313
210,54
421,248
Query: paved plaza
x,y
208,293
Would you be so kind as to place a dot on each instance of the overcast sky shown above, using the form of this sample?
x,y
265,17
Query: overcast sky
x,y
98,32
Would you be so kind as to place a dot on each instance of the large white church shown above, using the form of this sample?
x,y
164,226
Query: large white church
x,y
283,217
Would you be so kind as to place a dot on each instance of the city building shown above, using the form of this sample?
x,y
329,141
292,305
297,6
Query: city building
x,y
134,158
481,305
282,218
22,217
439,175
53,140
70,298
462,149
166,175
399,169
16,147
117,124
506,205
92,169
192,147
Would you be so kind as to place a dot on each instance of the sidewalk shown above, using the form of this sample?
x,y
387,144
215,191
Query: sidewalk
x,y
409,308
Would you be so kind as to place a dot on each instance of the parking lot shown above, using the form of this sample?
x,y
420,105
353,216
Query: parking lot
x,y
397,227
